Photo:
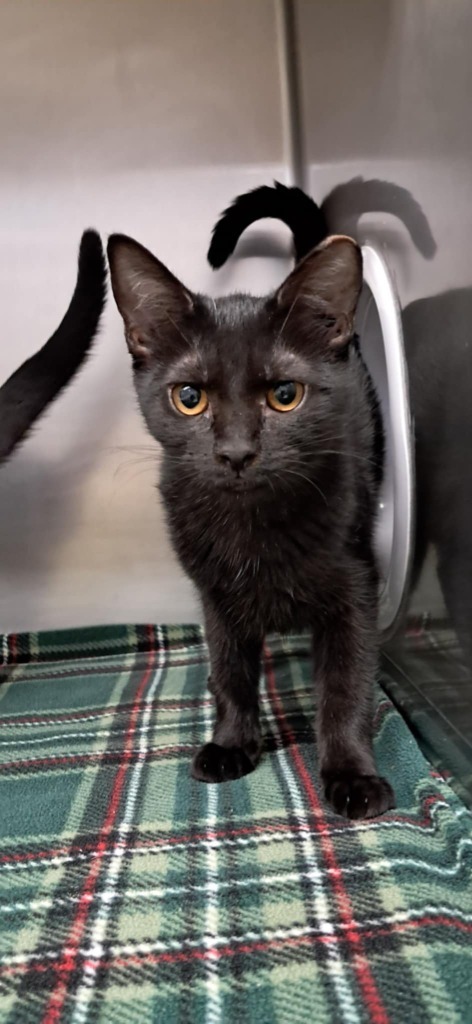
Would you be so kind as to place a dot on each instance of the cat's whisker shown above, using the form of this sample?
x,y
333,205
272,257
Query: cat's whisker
x,y
323,439
359,458
148,448
294,472
178,329
319,452
291,308
269,481
130,465
139,473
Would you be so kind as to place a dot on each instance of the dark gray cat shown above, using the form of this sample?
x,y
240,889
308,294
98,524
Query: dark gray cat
x,y
271,465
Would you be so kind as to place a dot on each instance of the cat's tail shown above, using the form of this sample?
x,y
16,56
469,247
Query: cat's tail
x,y
290,205
35,384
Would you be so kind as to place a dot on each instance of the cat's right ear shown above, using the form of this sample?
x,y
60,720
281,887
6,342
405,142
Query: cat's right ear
x,y
152,302
323,290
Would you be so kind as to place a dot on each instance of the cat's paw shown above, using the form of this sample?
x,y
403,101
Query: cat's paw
x,y
213,763
359,796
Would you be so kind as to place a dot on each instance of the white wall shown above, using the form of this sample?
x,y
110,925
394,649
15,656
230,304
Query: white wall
x,y
148,117
145,118
385,94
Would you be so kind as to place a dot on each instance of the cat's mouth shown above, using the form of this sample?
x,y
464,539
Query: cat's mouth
x,y
241,484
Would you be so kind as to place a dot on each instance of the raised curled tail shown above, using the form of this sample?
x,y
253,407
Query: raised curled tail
x,y
290,205
31,388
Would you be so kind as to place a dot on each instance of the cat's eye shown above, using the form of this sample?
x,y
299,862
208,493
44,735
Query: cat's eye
x,y
285,395
189,399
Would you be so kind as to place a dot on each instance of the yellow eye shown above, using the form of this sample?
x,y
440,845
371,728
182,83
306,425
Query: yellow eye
x,y
285,395
189,400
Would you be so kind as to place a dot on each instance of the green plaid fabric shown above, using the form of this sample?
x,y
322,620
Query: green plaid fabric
x,y
131,893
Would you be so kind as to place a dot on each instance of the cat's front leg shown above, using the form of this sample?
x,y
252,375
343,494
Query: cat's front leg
x,y
235,663
345,650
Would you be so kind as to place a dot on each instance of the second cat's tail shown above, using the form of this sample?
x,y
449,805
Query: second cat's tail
x,y
31,388
290,205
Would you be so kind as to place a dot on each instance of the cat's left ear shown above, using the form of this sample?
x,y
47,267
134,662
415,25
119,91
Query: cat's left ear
x,y
324,289
153,303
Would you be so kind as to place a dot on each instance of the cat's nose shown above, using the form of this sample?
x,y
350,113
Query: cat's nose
x,y
236,454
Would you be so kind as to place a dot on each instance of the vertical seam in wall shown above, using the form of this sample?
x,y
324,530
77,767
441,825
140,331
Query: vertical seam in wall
x,y
287,51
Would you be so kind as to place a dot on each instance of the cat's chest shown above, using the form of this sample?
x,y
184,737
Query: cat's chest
x,y
258,568
268,580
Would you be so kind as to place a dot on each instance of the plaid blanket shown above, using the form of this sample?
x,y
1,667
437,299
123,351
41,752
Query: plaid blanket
x,y
131,893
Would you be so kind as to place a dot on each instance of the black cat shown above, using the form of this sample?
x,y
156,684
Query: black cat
x,y
31,388
269,478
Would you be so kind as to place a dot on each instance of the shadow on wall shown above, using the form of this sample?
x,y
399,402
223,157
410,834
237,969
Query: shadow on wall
x,y
438,342
438,345
347,203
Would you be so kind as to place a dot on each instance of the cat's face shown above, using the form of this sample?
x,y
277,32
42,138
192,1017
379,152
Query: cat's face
x,y
244,394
